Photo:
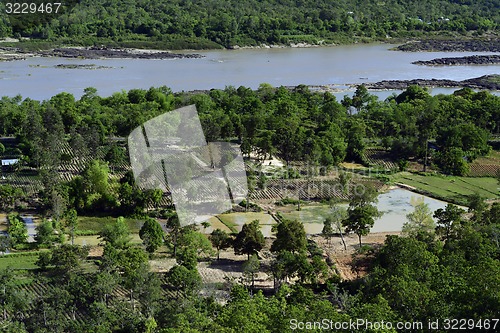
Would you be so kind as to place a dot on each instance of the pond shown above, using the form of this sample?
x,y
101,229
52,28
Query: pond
x,y
394,205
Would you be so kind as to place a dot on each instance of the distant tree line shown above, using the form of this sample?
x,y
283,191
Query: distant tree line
x,y
187,24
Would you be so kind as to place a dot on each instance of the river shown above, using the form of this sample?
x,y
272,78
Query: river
x,y
37,77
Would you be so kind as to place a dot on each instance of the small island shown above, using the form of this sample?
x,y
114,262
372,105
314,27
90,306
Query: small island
x,y
459,61
489,82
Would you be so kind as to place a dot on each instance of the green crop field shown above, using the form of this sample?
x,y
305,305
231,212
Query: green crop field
x,y
18,262
450,188
98,223
235,221
310,214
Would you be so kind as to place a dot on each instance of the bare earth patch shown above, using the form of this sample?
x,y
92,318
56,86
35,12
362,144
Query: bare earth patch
x,y
343,259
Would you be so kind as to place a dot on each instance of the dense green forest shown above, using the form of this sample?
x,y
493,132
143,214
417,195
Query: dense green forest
x,y
199,24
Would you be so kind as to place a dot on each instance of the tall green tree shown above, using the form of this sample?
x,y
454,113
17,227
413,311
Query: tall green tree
x,y
249,240
250,269
151,234
116,234
72,223
290,236
361,213
220,240
17,230
45,234
449,221
419,220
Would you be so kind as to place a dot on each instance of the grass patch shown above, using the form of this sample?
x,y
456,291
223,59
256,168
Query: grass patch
x,y
244,218
95,240
450,188
19,262
229,224
492,158
309,214
87,224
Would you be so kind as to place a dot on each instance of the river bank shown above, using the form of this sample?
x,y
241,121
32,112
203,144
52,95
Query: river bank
x,y
7,53
21,50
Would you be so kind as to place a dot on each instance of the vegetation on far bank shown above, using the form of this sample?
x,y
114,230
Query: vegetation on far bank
x,y
200,24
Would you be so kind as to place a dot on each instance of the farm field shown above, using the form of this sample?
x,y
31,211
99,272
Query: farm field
x,y
237,220
450,188
485,165
19,262
309,214
215,223
97,223
94,240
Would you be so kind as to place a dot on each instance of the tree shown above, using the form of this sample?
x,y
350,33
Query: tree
x,y
8,197
448,222
419,220
133,262
327,231
58,205
45,234
290,236
220,240
184,279
17,230
250,268
477,206
360,220
337,215
190,238
4,243
174,226
47,311
452,161
72,223
12,299
67,258
103,285
151,234
361,213
249,240
98,190
116,234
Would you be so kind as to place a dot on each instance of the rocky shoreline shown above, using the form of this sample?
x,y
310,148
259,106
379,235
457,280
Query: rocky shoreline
x,y
457,61
94,53
452,45
489,82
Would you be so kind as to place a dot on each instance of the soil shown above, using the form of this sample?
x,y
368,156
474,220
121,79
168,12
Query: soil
x,y
343,259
